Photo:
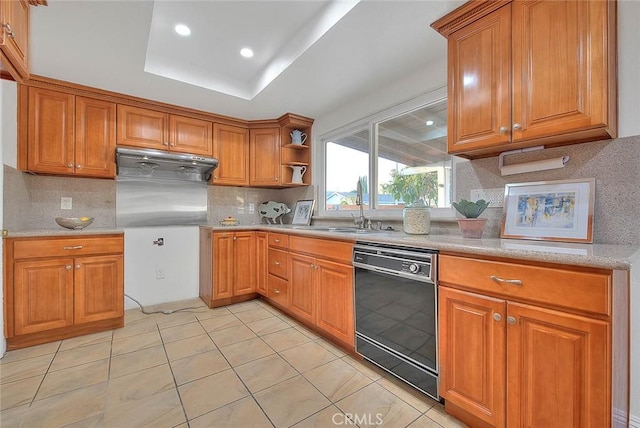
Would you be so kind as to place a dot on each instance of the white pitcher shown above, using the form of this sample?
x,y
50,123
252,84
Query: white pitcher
x,y
298,172
298,137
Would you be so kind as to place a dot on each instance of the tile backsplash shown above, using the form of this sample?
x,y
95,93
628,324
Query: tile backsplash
x,y
615,164
33,201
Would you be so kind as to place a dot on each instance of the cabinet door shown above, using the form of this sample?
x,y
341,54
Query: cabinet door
x,y
471,334
188,135
231,148
95,140
50,132
223,265
301,286
265,157
559,369
335,300
479,58
43,295
14,39
262,245
139,127
99,288
564,88
245,263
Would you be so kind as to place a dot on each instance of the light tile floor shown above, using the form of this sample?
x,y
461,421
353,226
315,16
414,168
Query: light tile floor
x,y
245,365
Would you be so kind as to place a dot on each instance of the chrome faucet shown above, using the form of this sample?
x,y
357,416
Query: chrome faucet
x,y
361,220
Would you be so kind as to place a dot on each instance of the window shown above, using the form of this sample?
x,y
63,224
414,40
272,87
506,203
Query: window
x,y
399,155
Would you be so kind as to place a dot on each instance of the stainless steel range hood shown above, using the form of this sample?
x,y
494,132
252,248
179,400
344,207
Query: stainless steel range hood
x,y
141,163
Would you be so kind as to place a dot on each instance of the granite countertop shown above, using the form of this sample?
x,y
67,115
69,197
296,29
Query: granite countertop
x,y
607,256
27,233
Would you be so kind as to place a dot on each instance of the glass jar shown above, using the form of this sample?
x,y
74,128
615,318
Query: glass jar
x,y
416,218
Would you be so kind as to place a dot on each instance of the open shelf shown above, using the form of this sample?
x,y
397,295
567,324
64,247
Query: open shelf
x,y
296,146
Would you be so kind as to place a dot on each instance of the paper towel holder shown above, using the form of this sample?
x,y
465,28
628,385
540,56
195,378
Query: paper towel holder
x,y
521,168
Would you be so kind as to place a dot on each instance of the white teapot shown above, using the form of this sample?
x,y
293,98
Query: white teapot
x,y
298,137
298,172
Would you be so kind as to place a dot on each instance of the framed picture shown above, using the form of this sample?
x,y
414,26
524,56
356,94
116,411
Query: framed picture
x,y
549,210
302,212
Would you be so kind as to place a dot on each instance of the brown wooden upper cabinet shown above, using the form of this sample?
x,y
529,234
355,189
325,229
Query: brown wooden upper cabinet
x,y
231,148
529,73
14,37
69,134
151,129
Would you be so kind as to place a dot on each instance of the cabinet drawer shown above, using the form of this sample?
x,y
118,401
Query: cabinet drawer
x,y
67,247
582,291
277,290
325,248
279,240
278,263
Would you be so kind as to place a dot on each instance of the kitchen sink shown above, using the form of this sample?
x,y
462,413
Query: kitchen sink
x,y
339,229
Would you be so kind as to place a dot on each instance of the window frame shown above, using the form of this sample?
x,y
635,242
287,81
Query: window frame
x,y
370,123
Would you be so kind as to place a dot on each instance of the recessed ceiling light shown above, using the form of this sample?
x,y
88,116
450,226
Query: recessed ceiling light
x,y
182,29
429,122
246,52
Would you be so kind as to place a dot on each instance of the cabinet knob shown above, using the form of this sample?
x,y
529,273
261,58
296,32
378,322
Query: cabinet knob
x,y
78,166
10,32
77,266
511,320
277,263
517,127
70,165
497,316
276,291
503,130
165,143
276,241
68,267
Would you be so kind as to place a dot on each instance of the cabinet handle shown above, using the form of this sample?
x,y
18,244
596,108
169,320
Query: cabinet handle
x,y
68,267
497,316
503,130
505,281
75,247
10,32
277,263
277,241
235,238
78,166
511,320
70,165
165,143
172,144
78,266
517,127
276,291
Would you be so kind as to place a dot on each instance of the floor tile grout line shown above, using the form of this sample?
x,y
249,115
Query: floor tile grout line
x,y
175,381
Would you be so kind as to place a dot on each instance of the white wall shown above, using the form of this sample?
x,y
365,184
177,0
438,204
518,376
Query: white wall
x,y
9,122
177,258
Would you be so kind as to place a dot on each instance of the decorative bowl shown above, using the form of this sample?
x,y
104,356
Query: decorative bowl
x,y
74,222
229,221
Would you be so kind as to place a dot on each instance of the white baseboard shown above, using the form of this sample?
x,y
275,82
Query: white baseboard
x,y
634,421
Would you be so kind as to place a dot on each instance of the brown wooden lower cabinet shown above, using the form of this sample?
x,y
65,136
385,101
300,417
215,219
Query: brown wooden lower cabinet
x,y
62,287
506,361
227,267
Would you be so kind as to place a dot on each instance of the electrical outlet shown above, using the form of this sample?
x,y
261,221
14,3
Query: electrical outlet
x,y
252,207
495,197
159,273
66,203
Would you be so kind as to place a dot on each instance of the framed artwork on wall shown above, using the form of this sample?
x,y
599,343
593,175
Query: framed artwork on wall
x,y
549,211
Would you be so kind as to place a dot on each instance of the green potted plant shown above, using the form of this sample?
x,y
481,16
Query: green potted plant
x,y
471,226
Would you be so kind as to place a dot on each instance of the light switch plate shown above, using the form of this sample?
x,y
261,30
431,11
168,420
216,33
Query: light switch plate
x,y
66,203
495,197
